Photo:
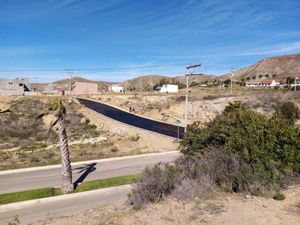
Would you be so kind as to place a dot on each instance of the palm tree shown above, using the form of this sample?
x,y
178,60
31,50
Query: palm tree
x,y
59,111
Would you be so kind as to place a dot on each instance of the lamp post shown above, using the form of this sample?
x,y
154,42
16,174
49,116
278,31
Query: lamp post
x,y
232,75
187,85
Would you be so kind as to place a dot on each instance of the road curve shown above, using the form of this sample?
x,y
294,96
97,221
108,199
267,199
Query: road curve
x,y
41,209
49,176
133,120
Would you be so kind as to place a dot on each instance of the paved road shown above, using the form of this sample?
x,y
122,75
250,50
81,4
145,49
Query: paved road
x,y
49,176
133,120
34,210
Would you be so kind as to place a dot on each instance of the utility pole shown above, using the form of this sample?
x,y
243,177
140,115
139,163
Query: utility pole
x,y
71,76
295,82
187,85
232,75
35,78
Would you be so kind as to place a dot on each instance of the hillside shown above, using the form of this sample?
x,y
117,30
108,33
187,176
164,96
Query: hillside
x,y
147,82
282,66
66,82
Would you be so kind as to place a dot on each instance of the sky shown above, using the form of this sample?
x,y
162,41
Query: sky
x,y
115,40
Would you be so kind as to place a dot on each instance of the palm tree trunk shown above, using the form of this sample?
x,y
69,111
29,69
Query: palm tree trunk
x,y
66,169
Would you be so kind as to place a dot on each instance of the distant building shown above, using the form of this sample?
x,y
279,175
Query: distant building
x,y
81,88
116,88
266,83
17,86
252,84
168,88
50,90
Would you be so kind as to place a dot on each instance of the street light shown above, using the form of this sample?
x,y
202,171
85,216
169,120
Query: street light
x,y
187,85
232,75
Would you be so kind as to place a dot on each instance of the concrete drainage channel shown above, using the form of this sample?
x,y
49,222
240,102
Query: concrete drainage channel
x,y
134,120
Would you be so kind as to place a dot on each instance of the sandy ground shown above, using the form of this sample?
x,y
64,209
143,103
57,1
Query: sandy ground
x,y
221,208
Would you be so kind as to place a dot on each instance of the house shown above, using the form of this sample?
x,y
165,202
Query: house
x,y
50,90
116,88
168,88
82,88
17,86
252,84
266,83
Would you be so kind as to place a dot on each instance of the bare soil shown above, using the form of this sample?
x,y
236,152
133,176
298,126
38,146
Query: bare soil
x,y
221,208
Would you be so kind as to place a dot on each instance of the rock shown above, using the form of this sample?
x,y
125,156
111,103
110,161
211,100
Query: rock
x,y
83,120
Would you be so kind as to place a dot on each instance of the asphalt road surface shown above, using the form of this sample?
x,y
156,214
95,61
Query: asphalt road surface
x,y
49,176
134,120
62,205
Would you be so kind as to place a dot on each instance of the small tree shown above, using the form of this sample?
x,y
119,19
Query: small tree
x,y
260,76
57,109
253,77
274,76
267,76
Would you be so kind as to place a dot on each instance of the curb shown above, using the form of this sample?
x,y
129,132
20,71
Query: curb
x,y
18,205
5,172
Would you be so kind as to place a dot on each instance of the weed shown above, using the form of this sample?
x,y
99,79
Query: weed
x,y
279,196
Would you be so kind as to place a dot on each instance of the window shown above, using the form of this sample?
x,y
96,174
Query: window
x,y
10,83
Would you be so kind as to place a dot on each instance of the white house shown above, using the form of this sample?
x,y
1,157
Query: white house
x,y
116,88
168,88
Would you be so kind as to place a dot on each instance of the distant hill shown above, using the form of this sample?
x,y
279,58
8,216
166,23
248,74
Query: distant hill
x,y
147,82
282,66
66,82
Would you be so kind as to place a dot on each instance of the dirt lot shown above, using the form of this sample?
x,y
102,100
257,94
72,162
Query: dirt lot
x,y
220,208
26,143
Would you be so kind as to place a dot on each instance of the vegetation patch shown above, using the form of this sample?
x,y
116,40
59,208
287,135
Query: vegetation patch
x,y
50,192
279,196
238,151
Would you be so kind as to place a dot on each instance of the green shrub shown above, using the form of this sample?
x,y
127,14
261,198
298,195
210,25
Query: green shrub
x,y
279,196
267,148
288,111
240,150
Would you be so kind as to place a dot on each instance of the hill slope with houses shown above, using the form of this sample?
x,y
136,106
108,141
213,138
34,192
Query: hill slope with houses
x,y
279,67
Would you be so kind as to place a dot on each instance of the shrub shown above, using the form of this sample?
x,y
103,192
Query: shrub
x,y
153,184
288,111
279,196
266,148
240,150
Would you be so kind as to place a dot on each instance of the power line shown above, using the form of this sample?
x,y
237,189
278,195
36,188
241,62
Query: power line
x,y
90,69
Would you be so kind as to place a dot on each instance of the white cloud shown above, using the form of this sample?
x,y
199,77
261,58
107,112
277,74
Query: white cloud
x,y
275,49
